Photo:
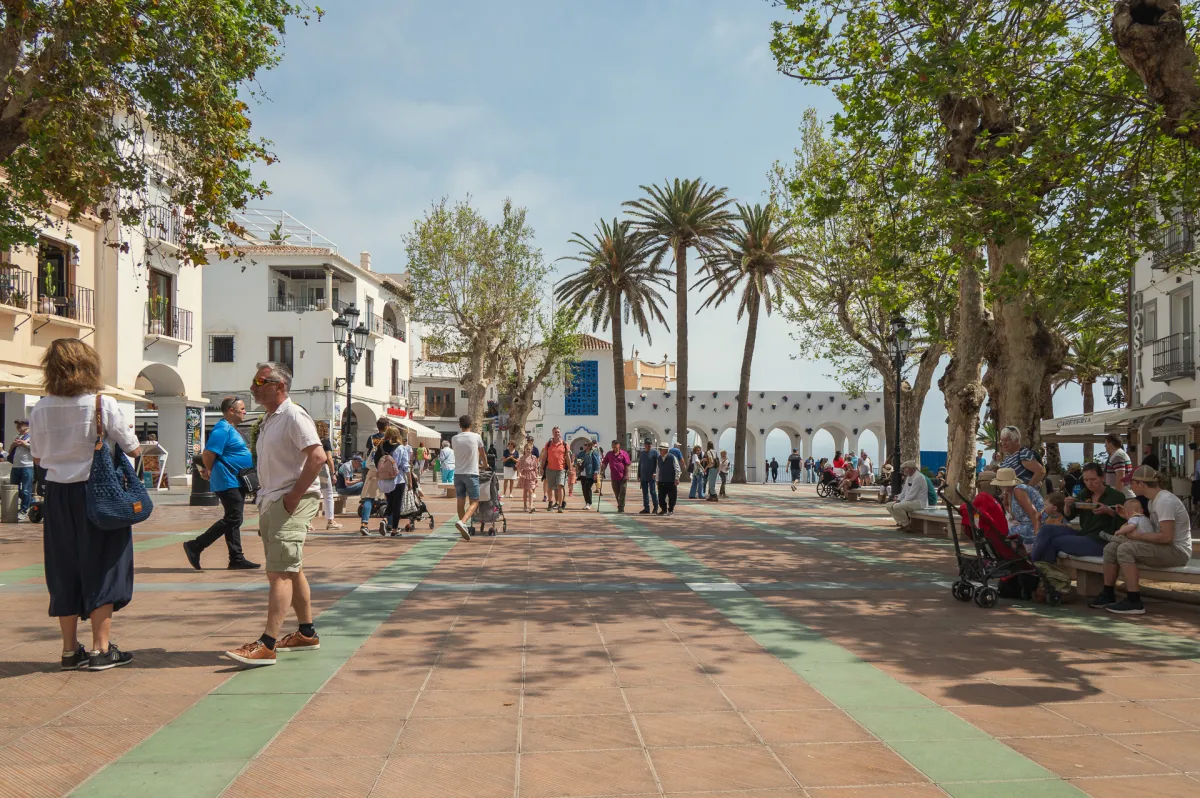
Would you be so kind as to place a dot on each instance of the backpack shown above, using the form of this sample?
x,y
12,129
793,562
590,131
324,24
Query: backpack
x,y
387,468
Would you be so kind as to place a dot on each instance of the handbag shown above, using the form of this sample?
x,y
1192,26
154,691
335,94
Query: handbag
x,y
116,498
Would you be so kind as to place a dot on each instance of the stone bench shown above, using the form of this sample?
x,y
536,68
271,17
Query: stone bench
x,y
932,522
447,489
1089,573
872,493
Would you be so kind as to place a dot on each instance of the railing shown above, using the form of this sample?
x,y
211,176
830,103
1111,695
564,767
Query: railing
x,y
169,321
1174,356
381,326
15,287
339,305
294,304
76,303
165,224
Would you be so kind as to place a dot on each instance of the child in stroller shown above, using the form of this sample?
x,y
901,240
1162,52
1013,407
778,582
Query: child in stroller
x,y
414,508
1000,556
491,505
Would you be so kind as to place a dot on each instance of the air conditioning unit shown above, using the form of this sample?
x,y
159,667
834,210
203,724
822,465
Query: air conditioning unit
x,y
395,400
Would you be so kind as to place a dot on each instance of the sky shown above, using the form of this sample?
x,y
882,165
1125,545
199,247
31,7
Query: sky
x,y
385,106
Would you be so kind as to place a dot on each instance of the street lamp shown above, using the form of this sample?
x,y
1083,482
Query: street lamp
x,y
899,346
1112,392
351,338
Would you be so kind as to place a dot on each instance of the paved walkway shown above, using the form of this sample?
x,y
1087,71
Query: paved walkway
x,y
774,645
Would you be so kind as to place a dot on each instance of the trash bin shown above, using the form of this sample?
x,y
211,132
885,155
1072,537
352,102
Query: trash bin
x,y
10,503
202,495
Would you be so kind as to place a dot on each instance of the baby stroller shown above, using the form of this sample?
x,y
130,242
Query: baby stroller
x,y
491,507
830,485
999,557
414,509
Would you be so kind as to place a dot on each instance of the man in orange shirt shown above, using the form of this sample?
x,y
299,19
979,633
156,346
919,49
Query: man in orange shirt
x,y
554,464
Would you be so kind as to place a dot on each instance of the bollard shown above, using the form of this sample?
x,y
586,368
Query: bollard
x,y
202,495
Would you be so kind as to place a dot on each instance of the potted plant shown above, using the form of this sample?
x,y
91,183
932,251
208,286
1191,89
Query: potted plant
x,y
49,289
158,315
18,299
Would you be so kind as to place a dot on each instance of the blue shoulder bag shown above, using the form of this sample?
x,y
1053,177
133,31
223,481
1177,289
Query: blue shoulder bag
x,y
116,498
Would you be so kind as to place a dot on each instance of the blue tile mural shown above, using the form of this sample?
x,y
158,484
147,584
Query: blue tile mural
x,y
583,399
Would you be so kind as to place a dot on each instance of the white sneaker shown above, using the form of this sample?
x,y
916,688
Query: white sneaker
x,y
462,530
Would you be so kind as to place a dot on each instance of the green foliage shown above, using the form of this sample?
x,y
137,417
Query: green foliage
x,y
760,257
107,99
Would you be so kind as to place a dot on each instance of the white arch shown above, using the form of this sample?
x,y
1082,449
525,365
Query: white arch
x,y
164,379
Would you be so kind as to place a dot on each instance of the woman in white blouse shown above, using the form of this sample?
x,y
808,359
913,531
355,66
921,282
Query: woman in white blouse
x,y
89,571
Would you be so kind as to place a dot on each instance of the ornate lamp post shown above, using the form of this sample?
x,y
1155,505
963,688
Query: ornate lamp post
x,y
899,346
1112,392
350,335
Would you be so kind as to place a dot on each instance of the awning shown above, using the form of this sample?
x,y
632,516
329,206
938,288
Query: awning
x,y
31,384
1092,427
427,436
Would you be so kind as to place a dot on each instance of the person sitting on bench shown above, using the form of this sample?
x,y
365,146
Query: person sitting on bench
x,y
914,495
1132,549
349,477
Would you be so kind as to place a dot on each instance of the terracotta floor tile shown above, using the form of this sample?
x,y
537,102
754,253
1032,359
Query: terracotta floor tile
x,y
1187,710
330,776
52,745
1098,756
340,738
466,703
674,729
1141,787
43,781
1179,750
795,695
854,764
358,706
448,776
375,681
449,678
571,679
1127,718
807,726
458,736
577,732
1018,721
1140,688
890,791
600,701
676,698
719,768
585,773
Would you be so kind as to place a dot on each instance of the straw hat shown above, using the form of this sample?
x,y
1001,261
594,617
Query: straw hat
x,y
1005,478
1146,475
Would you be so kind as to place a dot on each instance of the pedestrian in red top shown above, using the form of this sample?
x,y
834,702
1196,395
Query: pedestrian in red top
x,y
555,457
617,463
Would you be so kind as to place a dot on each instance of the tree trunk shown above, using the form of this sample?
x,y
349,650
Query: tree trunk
x,y
961,384
1089,406
889,411
913,402
681,350
1053,453
619,370
1025,349
739,439
1153,43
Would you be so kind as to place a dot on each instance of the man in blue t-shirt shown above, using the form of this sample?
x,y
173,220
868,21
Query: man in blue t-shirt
x,y
225,454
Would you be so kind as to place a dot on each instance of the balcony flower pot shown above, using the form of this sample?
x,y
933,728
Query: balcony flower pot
x,y
46,305
156,327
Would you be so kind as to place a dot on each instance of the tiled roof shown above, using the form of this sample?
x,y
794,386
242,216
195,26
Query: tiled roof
x,y
592,342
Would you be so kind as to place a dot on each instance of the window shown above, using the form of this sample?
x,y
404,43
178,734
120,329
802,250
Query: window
x,y
280,351
397,388
1172,454
370,368
583,398
439,402
1150,320
220,349
462,394
54,267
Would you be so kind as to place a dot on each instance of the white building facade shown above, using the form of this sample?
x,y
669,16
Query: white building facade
x,y
277,301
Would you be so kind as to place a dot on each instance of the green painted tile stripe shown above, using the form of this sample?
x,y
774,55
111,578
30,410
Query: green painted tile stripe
x,y
202,751
937,742
1104,625
31,571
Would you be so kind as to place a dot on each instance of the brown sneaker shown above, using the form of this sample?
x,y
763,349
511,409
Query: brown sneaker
x,y
298,642
255,654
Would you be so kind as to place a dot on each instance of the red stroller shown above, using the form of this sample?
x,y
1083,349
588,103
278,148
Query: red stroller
x,y
999,556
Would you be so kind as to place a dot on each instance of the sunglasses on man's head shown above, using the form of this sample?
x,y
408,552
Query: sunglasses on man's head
x,y
261,381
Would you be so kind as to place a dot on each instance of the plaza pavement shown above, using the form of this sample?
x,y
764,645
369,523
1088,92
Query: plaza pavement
x,y
773,645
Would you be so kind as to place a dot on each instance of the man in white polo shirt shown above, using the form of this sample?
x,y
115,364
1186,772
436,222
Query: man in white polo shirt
x,y
288,456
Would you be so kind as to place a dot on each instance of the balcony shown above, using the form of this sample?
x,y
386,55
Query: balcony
x,y
381,327
165,321
15,290
1174,357
165,225
73,306
293,304
1175,244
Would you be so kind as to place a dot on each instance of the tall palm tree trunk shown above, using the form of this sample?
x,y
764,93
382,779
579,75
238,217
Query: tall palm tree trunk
x,y
618,366
1089,406
739,435
681,349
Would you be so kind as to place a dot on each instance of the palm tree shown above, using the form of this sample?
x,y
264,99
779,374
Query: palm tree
x,y
988,436
757,264
1092,353
676,216
618,282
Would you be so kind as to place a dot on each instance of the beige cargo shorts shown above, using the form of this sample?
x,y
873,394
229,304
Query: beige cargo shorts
x,y
283,535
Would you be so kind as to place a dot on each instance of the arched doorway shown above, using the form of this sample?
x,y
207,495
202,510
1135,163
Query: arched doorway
x,y
179,428
823,444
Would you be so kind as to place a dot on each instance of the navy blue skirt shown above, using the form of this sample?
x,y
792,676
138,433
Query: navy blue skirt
x,y
86,567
